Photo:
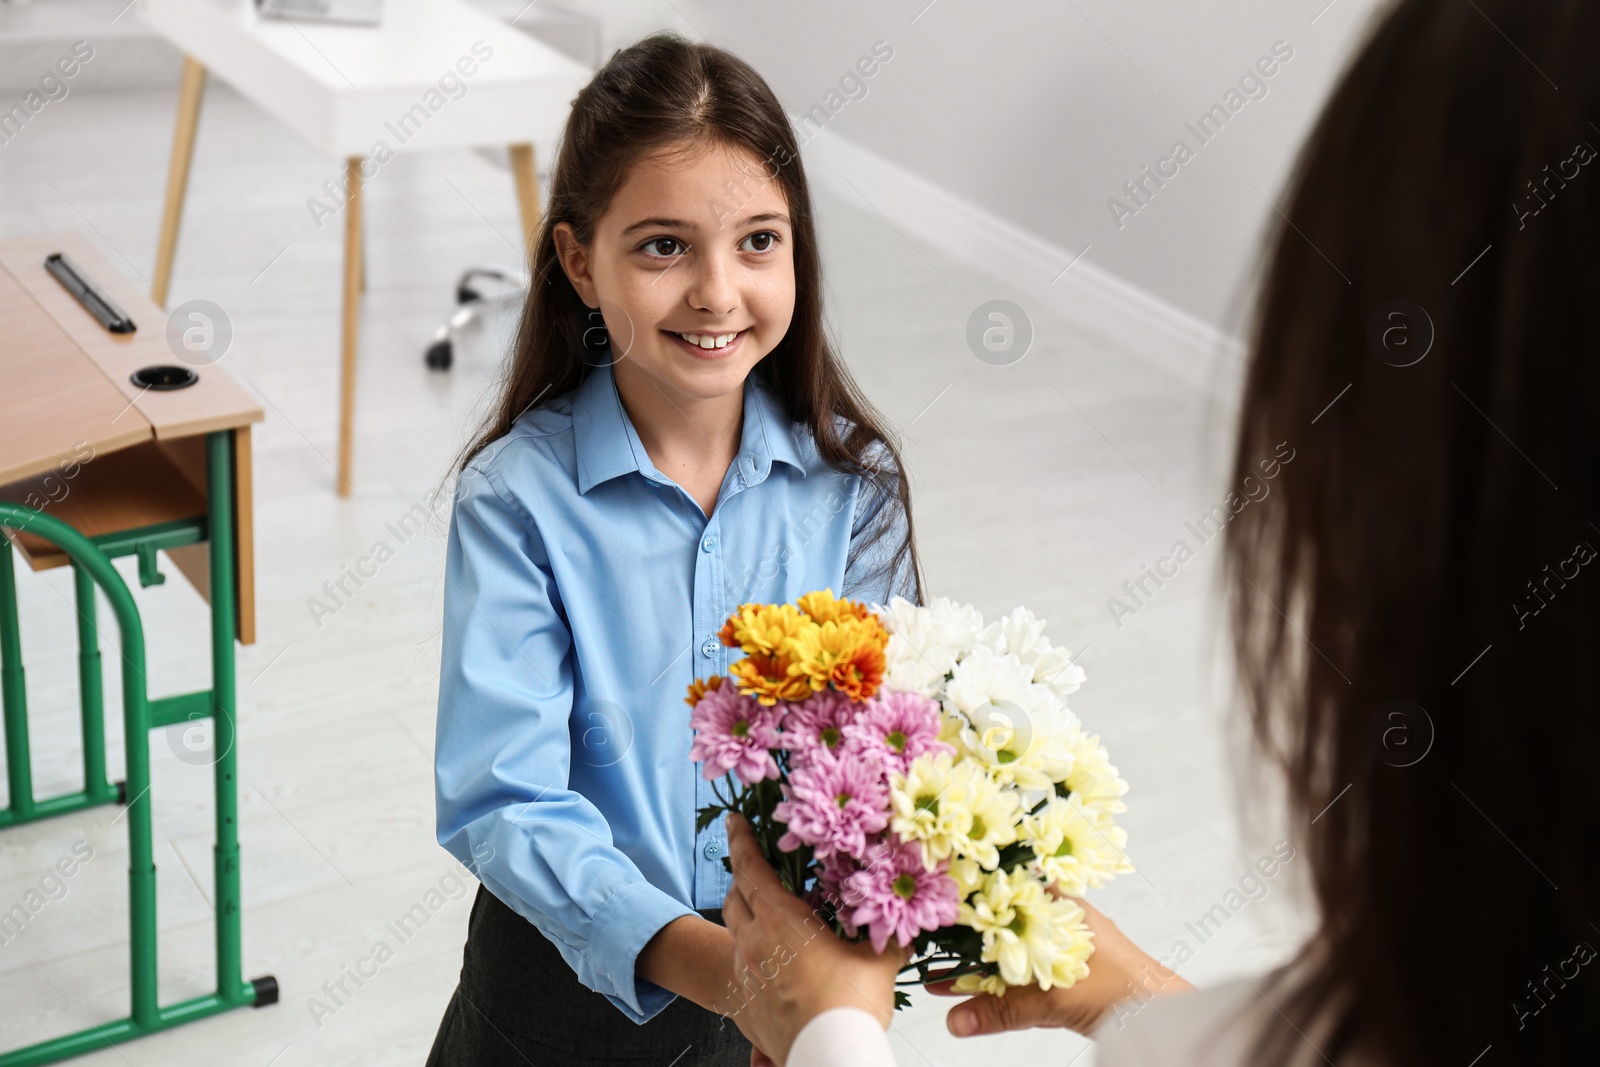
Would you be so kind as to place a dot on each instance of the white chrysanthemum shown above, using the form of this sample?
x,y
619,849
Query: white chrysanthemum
x,y
925,643
1032,936
1093,780
1072,849
932,804
993,810
984,676
1018,747
1055,668
1021,634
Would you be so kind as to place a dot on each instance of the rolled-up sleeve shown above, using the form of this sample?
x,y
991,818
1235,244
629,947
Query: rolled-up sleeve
x,y
503,754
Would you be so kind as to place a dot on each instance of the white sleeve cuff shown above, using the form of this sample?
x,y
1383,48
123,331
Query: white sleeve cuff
x,y
842,1037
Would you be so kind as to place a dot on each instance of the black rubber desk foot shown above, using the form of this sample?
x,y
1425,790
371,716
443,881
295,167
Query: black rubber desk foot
x,y
266,988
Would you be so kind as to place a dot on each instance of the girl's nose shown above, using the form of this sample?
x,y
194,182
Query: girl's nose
x,y
713,291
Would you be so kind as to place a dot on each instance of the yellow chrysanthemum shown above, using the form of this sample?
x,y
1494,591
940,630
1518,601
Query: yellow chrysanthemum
x,y
823,606
847,654
764,629
769,679
700,687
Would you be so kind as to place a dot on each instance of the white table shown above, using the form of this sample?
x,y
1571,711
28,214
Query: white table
x,y
347,88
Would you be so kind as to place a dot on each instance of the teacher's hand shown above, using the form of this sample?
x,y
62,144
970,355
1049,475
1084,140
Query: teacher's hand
x,y
797,966
1117,969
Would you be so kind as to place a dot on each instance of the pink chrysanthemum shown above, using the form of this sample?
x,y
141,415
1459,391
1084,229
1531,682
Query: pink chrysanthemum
x,y
734,732
828,891
898,725
900,897
818,722
833,803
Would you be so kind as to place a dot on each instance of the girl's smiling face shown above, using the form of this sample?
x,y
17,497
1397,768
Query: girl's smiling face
x,y
692,267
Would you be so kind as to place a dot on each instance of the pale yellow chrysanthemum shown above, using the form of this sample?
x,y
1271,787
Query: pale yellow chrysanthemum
x,y
992,984
1032,936
1076,944
1072,851
1093,780
930,804
993,811
967,873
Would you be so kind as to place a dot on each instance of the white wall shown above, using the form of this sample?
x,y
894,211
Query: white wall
x,y
1017,117
1037,111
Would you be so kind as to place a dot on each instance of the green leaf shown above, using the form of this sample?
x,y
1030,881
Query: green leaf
x,y
706,816
902,1000
1015,854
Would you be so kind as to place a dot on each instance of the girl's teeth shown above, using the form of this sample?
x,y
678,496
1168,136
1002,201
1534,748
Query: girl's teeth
x,y
706,340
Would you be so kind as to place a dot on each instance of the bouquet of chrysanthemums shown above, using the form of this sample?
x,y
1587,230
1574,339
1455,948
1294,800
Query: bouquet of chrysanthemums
x,y
916,774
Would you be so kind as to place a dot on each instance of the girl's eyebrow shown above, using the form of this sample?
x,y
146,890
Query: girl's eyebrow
x,y
679,224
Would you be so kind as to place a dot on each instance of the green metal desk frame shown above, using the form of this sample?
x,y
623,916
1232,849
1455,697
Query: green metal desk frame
x,y
91,563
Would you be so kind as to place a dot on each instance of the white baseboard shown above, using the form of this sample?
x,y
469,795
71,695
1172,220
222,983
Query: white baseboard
x,y
1154,329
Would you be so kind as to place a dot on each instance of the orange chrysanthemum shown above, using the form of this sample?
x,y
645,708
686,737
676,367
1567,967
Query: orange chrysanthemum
x,y
823,606
700,687
769,679
859,676
847,655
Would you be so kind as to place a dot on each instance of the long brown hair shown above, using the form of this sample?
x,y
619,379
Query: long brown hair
x,y
661,93
1415,621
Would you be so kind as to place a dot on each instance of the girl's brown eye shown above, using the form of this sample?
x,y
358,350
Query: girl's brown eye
x,y
761,242
664,246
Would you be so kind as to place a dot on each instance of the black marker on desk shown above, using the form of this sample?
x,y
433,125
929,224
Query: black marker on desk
x,y
94,301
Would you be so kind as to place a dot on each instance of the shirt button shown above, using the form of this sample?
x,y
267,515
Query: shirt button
x,y
709,543
709,649
713,850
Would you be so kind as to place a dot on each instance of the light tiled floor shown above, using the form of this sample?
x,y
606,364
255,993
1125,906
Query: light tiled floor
x,y
1049,482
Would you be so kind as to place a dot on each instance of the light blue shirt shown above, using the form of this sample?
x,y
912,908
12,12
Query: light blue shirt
x,y
583,593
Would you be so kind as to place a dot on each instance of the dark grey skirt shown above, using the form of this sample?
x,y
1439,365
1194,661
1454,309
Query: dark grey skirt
x,y
519,1004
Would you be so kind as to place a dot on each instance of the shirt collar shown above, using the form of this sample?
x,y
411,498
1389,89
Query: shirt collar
x,y
608,446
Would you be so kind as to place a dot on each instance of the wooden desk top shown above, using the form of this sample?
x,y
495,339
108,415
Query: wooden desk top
x,y
215,402
52,399
77,437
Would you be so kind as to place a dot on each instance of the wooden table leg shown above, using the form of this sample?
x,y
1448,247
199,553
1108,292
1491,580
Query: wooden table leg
x,y
189,94
353,270
244,535
527,177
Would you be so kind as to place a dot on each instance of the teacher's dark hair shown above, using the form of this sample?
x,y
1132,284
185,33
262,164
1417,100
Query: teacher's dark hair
x,y
1427,340
665,95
